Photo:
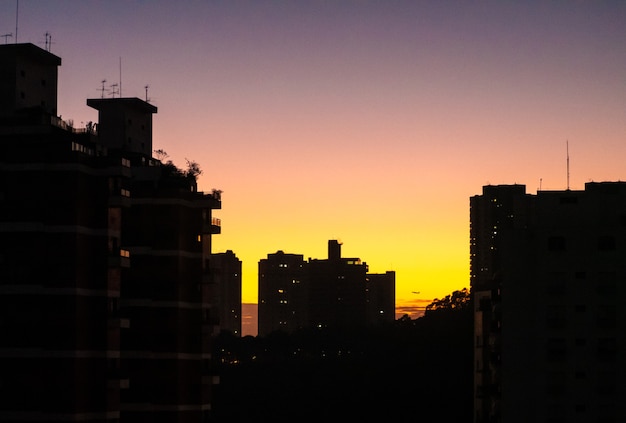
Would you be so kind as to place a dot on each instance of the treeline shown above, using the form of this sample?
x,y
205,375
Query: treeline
x,y
417,369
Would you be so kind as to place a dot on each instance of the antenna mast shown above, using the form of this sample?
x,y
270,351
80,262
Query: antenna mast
x,y
567,152
103,81
115,89
120,76
17,9
48,41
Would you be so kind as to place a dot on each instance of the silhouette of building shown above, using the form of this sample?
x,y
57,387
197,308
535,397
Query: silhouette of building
x,y
105,261
547,271
283,293
226,269
381,297
336,292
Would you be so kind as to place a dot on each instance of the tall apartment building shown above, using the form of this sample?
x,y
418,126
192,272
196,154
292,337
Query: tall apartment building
x,y
547,271
283,293
105,261
335,292
381,297
226,270
338,290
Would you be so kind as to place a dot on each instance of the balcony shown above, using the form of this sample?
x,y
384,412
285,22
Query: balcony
x,y
120,198
122,259
214,227
211,200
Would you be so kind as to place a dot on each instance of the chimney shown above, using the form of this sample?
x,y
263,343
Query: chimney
x,y
334,249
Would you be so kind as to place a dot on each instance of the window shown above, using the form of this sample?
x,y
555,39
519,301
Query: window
x,y
556,283
606,317
556,350
607,349
606,243
556,243
556,317
606,284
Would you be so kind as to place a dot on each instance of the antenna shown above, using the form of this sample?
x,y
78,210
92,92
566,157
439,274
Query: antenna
x,y
103,89
17,9
146,88
567,150
120,91
6,36
114,90
48,41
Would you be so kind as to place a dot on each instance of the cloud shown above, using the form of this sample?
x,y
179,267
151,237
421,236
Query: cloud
x,y
414,308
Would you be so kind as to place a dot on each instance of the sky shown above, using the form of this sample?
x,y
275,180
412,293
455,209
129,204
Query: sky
x,y
370,122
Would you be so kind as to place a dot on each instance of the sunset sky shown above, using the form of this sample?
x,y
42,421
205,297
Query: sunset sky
x,y
371,122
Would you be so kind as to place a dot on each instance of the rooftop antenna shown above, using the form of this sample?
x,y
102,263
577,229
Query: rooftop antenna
x,y
146,88
114,90
6,36
120,90
567,151
48,41
103,89
17,9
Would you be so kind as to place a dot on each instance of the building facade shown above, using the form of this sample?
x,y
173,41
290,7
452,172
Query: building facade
x,y
381,297
547,271
337,292
283,293
226,270
104,264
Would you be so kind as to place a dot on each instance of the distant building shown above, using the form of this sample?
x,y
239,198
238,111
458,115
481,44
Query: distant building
x,y
226,270
105,261
335,292
381,297
283,293
338,290
547,275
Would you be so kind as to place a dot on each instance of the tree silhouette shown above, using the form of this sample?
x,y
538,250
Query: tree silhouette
x,y
360,374
458,300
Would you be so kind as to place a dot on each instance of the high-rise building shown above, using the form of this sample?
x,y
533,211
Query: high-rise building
x,y
226,270
105,261
381,297
283,293
547,271
336,292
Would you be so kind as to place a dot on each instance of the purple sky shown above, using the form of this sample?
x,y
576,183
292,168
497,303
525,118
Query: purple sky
x,y
368,121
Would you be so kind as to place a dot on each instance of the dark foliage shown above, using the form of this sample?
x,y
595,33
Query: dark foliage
x,y
412,369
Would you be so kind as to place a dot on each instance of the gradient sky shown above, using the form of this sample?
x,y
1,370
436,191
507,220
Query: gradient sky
x,y
371,122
